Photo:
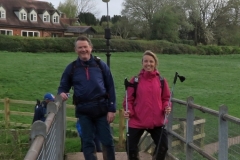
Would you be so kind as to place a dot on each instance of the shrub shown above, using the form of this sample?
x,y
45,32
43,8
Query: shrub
x,y
64,44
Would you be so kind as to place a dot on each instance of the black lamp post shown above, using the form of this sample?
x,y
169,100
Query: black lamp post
x,y
107,36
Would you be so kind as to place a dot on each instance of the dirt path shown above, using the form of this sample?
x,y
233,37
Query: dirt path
x,y
213,147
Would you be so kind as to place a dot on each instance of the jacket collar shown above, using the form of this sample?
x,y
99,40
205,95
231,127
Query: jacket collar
x,y
147,74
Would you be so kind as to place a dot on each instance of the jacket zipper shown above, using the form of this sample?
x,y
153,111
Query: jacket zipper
x,y
87,74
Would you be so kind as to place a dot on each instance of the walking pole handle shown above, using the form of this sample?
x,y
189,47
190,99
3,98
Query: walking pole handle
x,y
175,78
126,83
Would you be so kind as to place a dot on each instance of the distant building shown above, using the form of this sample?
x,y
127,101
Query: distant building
x,y
73,30
31,18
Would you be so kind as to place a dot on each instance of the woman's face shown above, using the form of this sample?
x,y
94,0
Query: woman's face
x,y
148,63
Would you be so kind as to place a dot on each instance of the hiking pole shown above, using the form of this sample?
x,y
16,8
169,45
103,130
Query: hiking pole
x,y
181,78
126,83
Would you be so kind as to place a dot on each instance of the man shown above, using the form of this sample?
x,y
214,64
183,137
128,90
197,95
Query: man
x,y
41,109
94,98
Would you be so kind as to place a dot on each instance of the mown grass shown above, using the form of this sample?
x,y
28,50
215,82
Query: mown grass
x,y
211,80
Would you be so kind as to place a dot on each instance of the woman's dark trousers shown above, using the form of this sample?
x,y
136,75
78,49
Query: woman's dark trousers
x,y
134,137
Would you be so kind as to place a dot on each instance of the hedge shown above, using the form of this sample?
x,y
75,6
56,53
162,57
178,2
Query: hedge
x,y
63,44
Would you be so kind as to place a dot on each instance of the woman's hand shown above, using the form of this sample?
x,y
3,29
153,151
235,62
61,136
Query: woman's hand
x,y
168,110
126,114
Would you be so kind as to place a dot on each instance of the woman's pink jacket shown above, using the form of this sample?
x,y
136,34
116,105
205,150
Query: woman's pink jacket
x,y
147,109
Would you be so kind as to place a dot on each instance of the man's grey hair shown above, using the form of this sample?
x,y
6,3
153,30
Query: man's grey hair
x,y
84,38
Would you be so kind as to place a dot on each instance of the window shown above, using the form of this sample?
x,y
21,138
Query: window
x,y
23,16
30,34
46,18
33,17
6,32
55,19
2,14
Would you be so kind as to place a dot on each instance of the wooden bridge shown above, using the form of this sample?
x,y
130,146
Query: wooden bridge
x,y
118,155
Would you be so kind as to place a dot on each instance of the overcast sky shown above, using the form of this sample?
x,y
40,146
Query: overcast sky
x,y
114,6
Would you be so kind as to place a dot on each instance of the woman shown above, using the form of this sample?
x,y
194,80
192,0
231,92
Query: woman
x,y
147,108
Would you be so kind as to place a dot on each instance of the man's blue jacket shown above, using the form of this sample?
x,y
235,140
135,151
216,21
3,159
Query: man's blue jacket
x,y
88,81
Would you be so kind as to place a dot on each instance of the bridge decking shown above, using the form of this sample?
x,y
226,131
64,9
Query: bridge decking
x,y
118,155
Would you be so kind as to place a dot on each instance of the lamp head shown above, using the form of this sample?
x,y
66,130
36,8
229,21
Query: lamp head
x,y
106,1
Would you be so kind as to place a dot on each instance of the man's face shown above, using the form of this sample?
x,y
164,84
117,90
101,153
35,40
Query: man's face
x,y
84,50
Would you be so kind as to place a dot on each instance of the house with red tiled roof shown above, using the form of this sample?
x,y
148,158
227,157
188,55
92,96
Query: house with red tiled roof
x,y
30,18
34,18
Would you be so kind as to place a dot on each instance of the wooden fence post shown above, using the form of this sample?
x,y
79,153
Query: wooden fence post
x,y
7,112
121,129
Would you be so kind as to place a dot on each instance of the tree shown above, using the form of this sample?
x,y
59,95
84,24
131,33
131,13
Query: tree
x,y
84,6
165,24
140,13
104,19
116,18
226,27
87,18
203,15
69,8
72,8
122,27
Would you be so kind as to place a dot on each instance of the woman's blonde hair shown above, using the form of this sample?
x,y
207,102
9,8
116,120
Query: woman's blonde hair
x,y
150,53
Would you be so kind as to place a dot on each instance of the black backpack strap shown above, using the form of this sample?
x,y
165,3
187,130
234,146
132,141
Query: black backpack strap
x,y
162,82
135,84
98,61
73,64
136,80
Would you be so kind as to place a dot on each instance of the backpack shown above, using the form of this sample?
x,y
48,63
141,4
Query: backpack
x,y
136,80
98,61
38,102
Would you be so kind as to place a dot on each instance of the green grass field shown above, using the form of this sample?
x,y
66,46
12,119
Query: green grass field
x,y
211,80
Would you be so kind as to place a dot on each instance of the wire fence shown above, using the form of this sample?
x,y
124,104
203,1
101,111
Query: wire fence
x,y
203,133
198,133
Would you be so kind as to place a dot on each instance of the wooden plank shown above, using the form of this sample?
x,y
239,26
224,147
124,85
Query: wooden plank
x,y
17,124
176,143
22,102
200,121
7,112
21,113
72,119
176,126
195,137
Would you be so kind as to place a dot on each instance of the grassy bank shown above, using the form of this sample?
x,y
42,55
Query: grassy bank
x,y
211,80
